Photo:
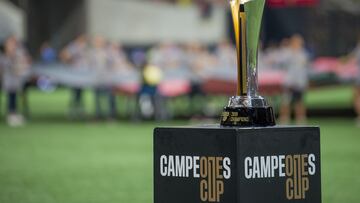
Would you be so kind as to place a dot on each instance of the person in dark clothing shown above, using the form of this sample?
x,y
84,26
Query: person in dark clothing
x,y
148,101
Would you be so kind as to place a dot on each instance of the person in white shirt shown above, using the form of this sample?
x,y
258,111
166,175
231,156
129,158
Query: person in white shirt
x,y
296,62
75,55
15,63
100,63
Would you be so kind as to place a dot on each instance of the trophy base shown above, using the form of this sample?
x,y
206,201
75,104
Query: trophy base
x,y
248,117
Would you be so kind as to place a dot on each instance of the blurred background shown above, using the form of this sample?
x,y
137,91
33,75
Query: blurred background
x,y
85,82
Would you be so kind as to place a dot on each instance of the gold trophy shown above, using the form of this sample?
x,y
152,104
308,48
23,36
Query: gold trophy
x,y
247,108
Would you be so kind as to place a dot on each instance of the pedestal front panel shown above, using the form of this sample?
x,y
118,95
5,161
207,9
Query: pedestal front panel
x,y
279,165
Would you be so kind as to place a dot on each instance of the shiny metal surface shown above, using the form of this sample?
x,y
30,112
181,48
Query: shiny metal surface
x,y
249,12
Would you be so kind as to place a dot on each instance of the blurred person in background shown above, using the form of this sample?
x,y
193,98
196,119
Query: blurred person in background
x,y
123,72
199,62
296,82
48,59
118,58
149,103
99,62
168,56
16,63
75,55
226,58
47,53
356,55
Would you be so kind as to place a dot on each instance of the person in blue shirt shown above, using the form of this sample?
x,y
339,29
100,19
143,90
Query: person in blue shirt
x,y
47,53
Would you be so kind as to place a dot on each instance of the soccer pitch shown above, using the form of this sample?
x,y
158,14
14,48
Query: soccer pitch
x,y
54,160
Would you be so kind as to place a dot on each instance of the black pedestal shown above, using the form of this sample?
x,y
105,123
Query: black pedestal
x,y
237,165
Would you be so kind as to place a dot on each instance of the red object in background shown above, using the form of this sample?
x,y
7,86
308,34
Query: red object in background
x,y
288,3
174,88
344,70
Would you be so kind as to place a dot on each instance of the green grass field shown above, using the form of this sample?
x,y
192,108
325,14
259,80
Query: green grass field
x,y
52,159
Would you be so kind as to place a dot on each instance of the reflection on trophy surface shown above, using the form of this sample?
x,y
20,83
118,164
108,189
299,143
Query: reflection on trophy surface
x,y
247,108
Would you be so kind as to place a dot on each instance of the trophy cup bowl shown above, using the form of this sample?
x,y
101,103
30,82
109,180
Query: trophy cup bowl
x,y
247,108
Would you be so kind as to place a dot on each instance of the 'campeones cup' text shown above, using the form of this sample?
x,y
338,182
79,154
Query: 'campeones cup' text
x,y
210,170
296,168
